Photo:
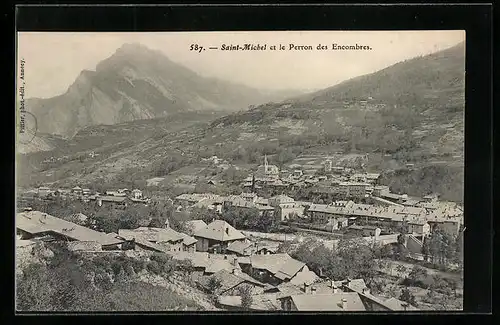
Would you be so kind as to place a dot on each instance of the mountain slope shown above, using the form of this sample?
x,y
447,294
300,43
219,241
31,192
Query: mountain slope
x,y
139,83
431,80
418,100
417,117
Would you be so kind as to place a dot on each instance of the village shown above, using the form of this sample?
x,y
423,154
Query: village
x,y
225,259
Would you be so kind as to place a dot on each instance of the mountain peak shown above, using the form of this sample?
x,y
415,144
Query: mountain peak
x,y
137,82
133,48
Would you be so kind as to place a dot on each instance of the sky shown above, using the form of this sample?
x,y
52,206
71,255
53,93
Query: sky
x,y
53,60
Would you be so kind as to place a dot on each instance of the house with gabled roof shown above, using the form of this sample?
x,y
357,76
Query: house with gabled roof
x,y
231,281
168,239
241,248
217,236
341,301
38,224
195,225
275,268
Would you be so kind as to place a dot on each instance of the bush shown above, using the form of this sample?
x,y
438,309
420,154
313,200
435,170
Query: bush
x,y
154,267
417,277
214,284
246,297
408,297
161,258
138,265
129,270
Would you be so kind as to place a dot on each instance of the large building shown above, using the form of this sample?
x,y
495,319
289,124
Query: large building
x,y
240,203
286,207
352,189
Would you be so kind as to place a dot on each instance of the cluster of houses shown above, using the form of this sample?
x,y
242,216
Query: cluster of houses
x,y
280,207
218,251
332,179
419,218
120,197
349,295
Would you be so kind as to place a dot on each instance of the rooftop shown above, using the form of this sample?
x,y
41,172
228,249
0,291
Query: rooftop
x,y
329,302
259,302
240,247
219,230
196,224
110,198
156,235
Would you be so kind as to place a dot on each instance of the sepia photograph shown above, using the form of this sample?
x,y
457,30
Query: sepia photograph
x,y
262,171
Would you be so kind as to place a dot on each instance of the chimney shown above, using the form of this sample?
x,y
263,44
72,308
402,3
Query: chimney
x,y
404,305
306,288
344,304
313,290
235,271
227,231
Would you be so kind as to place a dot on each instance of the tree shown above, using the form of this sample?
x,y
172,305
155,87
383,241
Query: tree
x,y
203,214
246,296
459,249
442,247
407,296
285,247
185,266
378,286
34,291
453,285
214,284
439,284
426,248
355,259
418,276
